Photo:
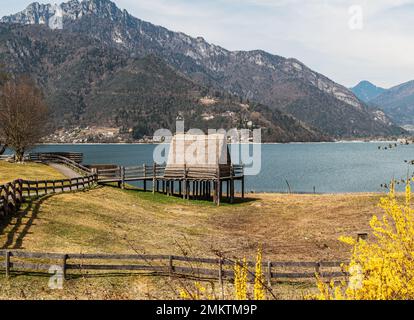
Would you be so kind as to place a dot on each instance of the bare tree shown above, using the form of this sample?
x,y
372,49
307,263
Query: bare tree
x,y
23,115
3,79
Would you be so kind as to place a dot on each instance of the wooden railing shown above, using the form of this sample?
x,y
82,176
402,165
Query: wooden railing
x,y
73,156
6,157
131,173
57,158
215,268
158,172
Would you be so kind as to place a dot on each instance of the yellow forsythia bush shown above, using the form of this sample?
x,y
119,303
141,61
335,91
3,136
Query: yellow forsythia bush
x,y
241,279
384,268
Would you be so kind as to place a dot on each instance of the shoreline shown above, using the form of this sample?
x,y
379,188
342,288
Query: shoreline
x,y
263,143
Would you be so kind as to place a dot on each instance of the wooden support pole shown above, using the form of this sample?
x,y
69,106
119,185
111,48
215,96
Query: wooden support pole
x,y
145,177
231,184
194,190
218,186
185,182
227,189
154,177
242,185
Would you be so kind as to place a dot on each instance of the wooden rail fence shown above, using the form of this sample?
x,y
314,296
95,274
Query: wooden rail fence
x,y
211,268
14,193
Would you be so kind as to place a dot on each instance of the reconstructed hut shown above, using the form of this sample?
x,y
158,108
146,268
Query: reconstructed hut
x,y
201,164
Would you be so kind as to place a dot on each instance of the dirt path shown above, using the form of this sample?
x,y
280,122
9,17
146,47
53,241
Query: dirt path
x,y
66,171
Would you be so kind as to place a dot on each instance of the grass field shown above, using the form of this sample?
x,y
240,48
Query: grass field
x,y
28,171
110,220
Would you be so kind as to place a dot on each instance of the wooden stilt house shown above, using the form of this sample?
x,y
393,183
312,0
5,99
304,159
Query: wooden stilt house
x,y
201,165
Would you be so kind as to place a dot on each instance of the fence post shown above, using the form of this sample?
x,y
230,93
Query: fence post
x,y
318,269
7,263
37,188
170,265
20,190
122,177
6,200
269,274
64,266
221,277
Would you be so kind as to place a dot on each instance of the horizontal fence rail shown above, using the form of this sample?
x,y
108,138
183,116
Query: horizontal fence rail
x,y
212,268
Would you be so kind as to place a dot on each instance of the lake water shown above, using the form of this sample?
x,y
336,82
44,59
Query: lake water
x,y
329,167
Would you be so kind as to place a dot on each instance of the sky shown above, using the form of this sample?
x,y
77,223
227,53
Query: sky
x,y
346,40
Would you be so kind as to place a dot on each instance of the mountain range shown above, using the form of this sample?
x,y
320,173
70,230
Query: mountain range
x,y
100,65
397,102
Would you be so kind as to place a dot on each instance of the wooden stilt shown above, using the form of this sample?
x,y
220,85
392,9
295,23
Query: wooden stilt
x,y
227,189
145,177
231,184
242,187
154,177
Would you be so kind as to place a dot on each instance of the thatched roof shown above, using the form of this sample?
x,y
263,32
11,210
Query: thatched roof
x,y
201,155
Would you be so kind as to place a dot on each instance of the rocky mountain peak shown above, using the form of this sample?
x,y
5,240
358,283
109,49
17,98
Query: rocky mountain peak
x,y
366,91
55,16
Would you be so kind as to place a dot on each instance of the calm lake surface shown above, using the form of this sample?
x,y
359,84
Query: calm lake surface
x,y
329,167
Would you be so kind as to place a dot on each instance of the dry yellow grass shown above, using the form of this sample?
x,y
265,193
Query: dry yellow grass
x,y
107,220
28,171
110,220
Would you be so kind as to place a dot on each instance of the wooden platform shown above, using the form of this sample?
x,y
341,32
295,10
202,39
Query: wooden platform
x,y
194,185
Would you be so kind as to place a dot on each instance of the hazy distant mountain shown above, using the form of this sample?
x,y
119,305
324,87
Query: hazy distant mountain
x,y
366,91
282,84
398,102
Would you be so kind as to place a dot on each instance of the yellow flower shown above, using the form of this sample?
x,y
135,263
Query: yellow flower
x,y
382,269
